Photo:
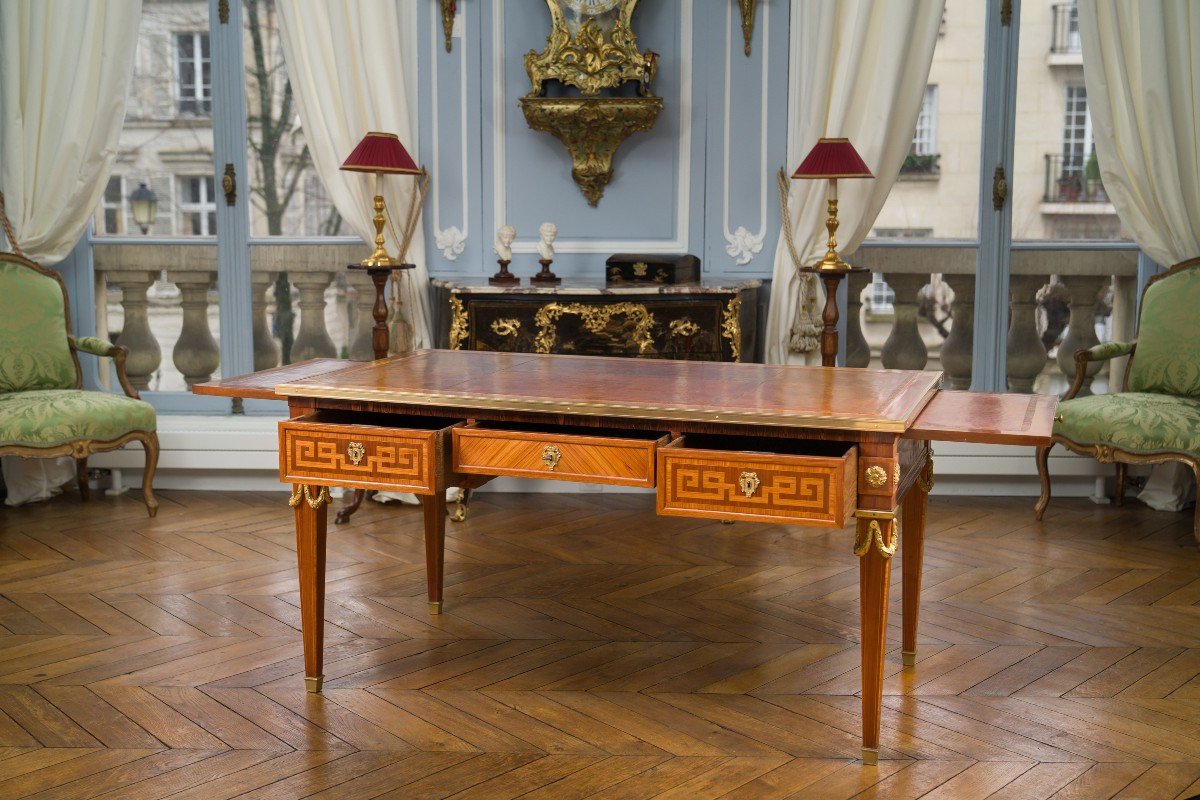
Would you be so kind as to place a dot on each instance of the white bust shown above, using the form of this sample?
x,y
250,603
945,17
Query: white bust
x,y
545,247
504,239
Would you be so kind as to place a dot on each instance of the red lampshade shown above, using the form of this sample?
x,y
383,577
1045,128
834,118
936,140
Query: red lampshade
x,y
381,152
832,158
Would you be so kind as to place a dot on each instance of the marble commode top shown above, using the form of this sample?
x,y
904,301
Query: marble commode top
x,y
589,286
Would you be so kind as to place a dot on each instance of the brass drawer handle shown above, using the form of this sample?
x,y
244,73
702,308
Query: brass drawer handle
x,y
749,483
355,452
551,454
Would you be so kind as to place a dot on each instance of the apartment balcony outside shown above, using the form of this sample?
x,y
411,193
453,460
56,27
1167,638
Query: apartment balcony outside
x,y
920,166
1072,186
1065,46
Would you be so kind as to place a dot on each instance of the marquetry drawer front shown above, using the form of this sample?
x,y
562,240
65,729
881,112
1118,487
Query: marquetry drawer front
x,y
798,488
315,451
593,457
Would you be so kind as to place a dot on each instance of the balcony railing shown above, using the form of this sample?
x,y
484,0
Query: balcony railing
x,y
923,164
1072,179
1064,38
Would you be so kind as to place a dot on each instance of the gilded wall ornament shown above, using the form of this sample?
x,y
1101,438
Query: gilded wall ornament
x,y
748,9
591,47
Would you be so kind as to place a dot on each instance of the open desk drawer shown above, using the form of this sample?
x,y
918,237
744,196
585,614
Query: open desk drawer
x,y
587,455
759,480
364,450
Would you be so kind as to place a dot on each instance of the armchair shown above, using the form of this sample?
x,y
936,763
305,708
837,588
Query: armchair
x,y
1155,417
44,410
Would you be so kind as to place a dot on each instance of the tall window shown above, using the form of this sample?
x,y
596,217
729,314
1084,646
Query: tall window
x,y
194,73
1077,130
198,206
925,136
111,218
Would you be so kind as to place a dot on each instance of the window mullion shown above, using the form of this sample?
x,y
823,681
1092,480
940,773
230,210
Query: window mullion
x,y
233,222
988,372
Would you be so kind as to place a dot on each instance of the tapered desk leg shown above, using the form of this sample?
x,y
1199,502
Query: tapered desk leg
x,y
874,575
912,540
435,546
311,518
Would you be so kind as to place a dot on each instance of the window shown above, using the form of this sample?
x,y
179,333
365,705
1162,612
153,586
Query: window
x,y
111,218
1077,130
925,137
194,74
197,206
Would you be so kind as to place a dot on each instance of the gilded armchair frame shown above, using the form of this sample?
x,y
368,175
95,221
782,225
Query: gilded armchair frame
x,y
80,449
1105,453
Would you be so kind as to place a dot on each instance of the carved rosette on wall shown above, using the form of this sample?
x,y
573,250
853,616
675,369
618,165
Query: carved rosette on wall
x,y
591,47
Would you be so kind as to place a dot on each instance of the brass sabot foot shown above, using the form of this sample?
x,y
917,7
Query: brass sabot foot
x,y
313,685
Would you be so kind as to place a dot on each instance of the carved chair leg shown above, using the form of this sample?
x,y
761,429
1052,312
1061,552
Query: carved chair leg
x,y
150,444
1043,468
345,512
1196,522
81,477
1119,493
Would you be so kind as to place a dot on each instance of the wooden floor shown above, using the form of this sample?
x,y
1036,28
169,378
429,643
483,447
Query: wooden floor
x,y
590,649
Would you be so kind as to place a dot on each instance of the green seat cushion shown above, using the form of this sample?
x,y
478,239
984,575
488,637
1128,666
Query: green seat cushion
x,y
57,416
33,331
1136,422
1168,347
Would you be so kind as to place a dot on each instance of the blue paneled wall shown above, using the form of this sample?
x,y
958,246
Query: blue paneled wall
x,y
702,181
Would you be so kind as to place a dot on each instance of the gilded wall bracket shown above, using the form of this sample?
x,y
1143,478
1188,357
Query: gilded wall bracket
x,y
592,128
591,48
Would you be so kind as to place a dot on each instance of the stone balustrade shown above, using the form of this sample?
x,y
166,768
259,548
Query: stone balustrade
x,y
312,270
1085,275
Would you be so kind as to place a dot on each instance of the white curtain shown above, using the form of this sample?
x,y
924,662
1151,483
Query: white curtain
x,y
348,72
1141,64
64,72
861,74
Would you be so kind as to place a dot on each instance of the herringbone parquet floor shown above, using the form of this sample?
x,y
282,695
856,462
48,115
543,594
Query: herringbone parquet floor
x,y
590,649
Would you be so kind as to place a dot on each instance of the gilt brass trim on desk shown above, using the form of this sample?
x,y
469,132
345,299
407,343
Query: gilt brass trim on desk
x,y
731,327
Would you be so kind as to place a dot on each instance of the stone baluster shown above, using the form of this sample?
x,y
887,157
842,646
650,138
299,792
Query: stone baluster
x,y
1081,328
363,303
958,348
313,340
858,352
266,349
904,348
1026,354
144,353
1124,326
196,354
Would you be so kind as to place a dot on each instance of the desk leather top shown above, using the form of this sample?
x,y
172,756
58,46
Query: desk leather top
x,y
817,397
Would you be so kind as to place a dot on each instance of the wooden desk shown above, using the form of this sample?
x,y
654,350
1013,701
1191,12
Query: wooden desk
x,y
801,445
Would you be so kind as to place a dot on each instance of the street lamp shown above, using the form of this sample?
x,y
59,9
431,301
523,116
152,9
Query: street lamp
x,y
144,203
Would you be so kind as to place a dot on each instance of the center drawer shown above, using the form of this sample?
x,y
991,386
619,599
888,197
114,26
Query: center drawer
x,y
759,480
365,450
586,455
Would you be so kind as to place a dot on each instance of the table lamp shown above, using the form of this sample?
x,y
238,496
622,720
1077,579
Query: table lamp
x,y
382,154
832,159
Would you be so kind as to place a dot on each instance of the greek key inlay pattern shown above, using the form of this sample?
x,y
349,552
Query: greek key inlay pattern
x,y
388,462
780,491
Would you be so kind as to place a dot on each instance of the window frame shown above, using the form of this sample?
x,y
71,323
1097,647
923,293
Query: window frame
x,y
197,63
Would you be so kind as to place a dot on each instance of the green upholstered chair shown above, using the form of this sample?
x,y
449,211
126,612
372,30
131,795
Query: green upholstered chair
x,y
1156,416
44,410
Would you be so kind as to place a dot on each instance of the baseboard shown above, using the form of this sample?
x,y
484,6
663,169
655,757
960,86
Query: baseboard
x,y
239,453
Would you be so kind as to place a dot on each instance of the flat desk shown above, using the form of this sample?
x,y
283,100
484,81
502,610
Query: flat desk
x,y
799,445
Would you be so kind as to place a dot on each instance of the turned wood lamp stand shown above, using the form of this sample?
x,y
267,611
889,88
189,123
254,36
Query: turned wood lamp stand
x,y
829,333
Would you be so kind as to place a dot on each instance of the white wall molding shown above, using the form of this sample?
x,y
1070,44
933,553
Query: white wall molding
x,y
684,188
743,246
452,240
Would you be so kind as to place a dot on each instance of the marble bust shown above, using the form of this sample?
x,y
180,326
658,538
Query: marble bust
x,y
504,239
545,248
